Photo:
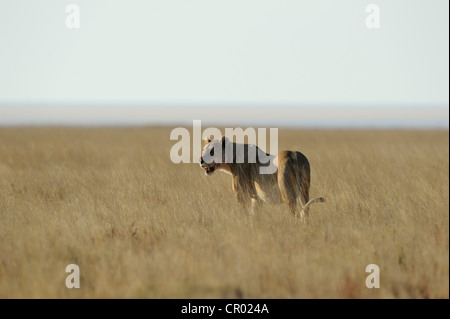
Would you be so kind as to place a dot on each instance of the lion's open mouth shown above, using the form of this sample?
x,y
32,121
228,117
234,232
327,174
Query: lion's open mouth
x,y
209,170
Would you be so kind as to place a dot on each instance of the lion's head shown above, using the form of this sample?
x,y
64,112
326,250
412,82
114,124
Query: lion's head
x,y
213,155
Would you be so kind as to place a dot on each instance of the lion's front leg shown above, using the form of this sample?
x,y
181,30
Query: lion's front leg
x,y
237,189
242,193
241,198
256,204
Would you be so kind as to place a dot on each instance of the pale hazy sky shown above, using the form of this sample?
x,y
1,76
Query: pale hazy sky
x,y
304,53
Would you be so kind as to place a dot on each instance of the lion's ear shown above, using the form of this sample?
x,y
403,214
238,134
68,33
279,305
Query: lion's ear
x,y
223,140
207,140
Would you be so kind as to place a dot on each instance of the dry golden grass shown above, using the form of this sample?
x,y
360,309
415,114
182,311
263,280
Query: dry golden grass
x,y
139,226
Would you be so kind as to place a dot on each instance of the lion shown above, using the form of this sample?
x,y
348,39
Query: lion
x,y
289,182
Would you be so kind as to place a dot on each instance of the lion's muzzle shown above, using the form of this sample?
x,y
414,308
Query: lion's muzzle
x,y
209,169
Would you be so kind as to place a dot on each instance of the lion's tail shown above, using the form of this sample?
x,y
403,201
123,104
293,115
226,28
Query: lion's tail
x,y
314,200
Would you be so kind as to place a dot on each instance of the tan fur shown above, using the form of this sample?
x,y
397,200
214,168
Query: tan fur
x,y
289,184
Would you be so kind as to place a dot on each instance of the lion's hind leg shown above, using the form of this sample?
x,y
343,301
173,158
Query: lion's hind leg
x,y
303,199
303,179
289,198
286,181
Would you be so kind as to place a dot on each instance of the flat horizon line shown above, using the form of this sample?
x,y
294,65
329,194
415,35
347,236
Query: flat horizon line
x,y
283,116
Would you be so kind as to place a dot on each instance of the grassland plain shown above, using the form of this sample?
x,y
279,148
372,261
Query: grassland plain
x,y
139,226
